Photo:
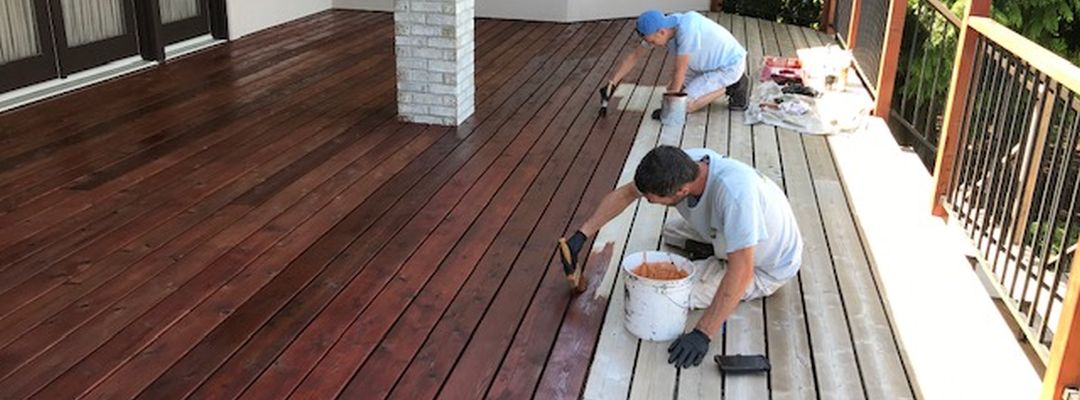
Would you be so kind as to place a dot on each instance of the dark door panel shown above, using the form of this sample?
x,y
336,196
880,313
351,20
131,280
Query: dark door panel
x,y
27,55
183,19
93,32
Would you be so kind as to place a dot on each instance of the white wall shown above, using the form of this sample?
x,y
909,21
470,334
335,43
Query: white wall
x,y
550,10
247,16
584,10
534,10
369,5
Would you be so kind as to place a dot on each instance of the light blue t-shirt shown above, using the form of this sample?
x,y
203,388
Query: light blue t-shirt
x,y
740,208
709,45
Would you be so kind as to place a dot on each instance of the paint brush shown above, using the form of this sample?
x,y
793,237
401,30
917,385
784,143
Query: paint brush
x,y
573,274
605,97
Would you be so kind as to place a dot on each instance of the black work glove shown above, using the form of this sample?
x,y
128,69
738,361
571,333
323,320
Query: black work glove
x,y
607,90
689,349
575,243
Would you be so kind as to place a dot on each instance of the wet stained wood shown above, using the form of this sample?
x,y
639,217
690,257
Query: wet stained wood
x,y
252,221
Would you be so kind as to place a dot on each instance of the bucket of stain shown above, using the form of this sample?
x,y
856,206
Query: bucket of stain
x,y
657,294
673,109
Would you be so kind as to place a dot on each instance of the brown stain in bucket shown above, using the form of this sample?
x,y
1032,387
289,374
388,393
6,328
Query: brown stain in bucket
x,y
665,271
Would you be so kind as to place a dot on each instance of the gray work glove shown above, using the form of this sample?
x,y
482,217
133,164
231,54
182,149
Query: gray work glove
x,y
689,349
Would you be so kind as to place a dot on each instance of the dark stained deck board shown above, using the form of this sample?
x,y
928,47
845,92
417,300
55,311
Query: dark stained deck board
x,y
564,374
250,196
298,136
355,343
200,112
516,374
27,212
243,201
311,344
251,133
171,206
364,249
43,129
71,204
193,131
248,59
232,224
162,203
362,218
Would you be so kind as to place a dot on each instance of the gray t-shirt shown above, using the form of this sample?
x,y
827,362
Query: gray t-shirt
x,y
740,208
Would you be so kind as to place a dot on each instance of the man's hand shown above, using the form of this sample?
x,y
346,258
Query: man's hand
x,y
574,243
689,349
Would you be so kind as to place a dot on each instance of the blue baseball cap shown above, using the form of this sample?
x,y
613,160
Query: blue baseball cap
x,y
651,21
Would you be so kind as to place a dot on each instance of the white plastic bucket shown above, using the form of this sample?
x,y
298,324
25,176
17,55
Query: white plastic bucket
x,y
656,309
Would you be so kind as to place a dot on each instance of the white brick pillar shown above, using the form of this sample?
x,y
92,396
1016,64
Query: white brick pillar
x,y
434,46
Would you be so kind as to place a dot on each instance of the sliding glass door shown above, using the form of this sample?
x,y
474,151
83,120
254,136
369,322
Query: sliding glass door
x,y
47,39
183,19
94,32
26,47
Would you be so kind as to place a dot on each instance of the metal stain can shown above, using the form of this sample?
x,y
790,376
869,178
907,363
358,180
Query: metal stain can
x,y
673,109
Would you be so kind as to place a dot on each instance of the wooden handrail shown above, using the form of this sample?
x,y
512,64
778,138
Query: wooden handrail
x,y
853,25
890,56
959,88
945,12
828,16
1064,367
1039,57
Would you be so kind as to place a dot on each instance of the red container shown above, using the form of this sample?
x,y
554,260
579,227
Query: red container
x,y
782,69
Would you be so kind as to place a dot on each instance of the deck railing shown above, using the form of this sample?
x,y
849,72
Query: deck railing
x,y
1005,133
925,65
1007,172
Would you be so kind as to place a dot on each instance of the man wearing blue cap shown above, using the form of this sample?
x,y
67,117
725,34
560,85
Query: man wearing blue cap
x,y
709,62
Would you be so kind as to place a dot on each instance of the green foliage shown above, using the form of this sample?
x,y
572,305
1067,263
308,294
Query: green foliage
x,y
1044,22
795,12
1050,23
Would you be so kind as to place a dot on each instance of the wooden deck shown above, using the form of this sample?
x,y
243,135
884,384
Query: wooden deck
x,y
827,335
252,221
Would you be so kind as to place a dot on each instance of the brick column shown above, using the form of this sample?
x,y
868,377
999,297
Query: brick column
x,y
434,46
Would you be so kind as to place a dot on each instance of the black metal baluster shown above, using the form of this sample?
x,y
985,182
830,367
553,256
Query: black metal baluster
x,y
901,90
1059,184
1033,108
931,105
978,166
1011,158
1051,90
993,155
976,95
1032,135
1062,262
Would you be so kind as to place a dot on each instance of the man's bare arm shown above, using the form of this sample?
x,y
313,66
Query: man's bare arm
x,y
612,204
739,276
682,62
628,63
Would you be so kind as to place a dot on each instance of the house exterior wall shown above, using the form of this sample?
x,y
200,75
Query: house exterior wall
x,y
248,16
559,11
